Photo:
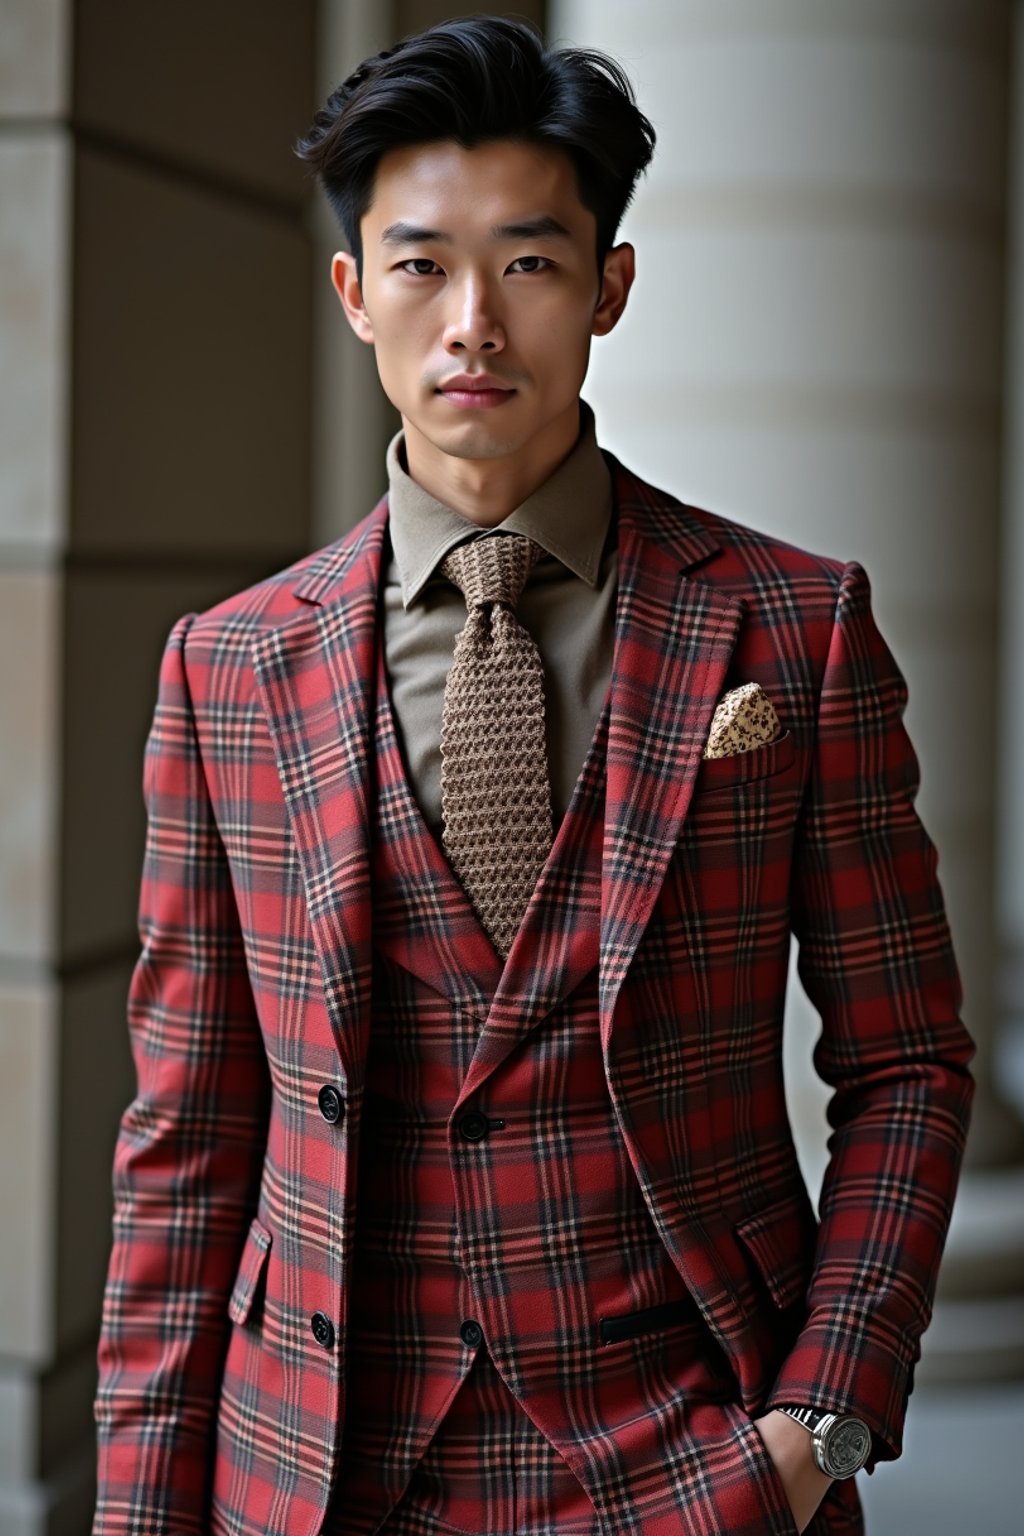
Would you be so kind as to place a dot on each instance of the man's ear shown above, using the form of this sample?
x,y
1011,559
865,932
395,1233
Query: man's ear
x,y
346,285
617,280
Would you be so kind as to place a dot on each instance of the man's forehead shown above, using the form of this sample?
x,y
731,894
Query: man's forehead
x,y
499,191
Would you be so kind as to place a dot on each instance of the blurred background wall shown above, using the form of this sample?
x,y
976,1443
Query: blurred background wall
x,y
825,339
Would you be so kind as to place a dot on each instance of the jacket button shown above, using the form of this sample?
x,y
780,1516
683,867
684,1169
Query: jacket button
x,y
474,1125
323,1329
332,1106
471,1332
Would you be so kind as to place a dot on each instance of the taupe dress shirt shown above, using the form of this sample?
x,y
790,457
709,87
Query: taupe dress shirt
x,y
568,605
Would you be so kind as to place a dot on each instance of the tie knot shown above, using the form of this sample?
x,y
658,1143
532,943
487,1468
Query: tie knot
x,y
492,569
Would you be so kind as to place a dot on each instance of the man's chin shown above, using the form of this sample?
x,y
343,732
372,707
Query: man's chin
x,y
472,438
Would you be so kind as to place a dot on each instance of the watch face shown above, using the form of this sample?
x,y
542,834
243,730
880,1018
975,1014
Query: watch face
x,y
845,1447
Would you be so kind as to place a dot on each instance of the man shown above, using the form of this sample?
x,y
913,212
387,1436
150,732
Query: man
x,y
459,1192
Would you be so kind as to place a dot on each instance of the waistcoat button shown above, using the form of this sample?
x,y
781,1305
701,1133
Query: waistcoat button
x,y
331,1104
471,1332
323,1329
473,1125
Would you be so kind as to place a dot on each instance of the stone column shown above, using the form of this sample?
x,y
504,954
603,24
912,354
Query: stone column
x,y
352,417
814,345
154,424
1010,860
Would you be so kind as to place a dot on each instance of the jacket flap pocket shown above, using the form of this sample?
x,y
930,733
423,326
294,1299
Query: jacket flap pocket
x,y
665,1314
781,1239
254,1256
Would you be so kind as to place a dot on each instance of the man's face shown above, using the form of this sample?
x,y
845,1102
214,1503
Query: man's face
x,y
518,306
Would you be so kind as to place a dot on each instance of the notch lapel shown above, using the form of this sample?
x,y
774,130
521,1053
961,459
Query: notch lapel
x,y
316,679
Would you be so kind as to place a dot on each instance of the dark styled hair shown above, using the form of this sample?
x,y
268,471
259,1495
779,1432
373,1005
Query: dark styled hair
x,y
474,79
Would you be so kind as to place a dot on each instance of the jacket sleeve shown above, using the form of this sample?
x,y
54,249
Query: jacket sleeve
x,y
189,1149
877,962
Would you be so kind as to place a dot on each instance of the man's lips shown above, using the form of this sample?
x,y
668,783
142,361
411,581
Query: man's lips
x,y
476,390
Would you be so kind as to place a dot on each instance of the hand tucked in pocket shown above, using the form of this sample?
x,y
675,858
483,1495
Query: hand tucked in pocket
x,y
789,1445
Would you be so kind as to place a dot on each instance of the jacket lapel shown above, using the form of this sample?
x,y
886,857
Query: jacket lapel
x,y
316,677
674,638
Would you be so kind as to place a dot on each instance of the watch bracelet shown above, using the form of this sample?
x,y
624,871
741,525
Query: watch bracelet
x,y
810,1418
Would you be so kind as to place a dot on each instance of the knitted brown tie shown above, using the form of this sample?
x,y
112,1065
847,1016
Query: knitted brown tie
x,y
495,787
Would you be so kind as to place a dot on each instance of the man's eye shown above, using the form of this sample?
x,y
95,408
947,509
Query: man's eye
x,y
543,259
424,259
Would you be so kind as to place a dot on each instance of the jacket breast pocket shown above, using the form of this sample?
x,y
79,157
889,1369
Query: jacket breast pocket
x,y
761,762
250,1270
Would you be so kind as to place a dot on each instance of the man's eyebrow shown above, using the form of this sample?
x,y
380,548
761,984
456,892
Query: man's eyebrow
x,y
544,228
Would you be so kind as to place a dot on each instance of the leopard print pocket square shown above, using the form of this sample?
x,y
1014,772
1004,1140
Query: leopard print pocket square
x,y
744,718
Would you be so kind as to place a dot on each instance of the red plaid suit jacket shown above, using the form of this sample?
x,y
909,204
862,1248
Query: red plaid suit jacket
x,y
251,991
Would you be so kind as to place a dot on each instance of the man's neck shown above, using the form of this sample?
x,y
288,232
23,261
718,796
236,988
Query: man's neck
x,y
486,491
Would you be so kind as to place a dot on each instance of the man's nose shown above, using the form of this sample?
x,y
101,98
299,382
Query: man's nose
x,y
474,320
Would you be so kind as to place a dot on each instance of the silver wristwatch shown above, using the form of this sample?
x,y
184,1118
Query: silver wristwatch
x,y
842,1443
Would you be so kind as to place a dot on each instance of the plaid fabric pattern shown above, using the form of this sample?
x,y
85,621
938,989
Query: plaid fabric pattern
x,y
489,1468
222,1393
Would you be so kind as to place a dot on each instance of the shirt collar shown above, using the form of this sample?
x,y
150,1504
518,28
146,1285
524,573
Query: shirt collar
x,y
568,514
